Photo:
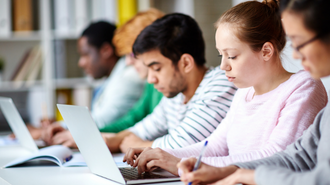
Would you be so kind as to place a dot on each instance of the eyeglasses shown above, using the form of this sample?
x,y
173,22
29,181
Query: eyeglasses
x,y
303,45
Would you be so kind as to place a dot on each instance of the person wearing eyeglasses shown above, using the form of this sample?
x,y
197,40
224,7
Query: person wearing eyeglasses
x,y
307,160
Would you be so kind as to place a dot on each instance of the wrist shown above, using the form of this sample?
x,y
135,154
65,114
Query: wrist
x,y
174,166
228,170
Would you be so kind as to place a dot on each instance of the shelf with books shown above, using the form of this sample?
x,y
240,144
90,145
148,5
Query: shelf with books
x,y
9,86
22,36
71,83
69,36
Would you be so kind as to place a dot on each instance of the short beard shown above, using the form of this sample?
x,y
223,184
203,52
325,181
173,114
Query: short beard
x,y
177,85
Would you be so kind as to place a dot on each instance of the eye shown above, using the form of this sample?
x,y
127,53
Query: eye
x,y
232,57
157,69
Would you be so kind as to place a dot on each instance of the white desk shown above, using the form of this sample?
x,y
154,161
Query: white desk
x,y
49,175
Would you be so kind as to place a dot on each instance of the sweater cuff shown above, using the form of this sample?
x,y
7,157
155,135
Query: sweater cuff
x,y
179,170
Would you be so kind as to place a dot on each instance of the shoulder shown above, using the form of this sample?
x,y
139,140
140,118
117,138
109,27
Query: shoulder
x,y
302,84
302,77
215,73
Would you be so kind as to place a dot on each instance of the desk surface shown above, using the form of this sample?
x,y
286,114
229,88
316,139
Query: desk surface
x,y
49,175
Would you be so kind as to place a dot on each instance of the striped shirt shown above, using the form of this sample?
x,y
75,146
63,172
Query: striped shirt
x,y
174,124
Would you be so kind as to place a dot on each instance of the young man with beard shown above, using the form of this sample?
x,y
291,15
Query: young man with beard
x,y
196,98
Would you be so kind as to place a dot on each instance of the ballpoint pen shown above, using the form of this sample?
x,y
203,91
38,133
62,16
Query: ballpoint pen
x,y
198,162
67,159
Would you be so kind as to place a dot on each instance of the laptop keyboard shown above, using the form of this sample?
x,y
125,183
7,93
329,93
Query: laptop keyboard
x,y
132,174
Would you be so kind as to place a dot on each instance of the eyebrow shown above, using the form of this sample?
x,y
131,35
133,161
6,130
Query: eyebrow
x,y
226,49
229,49
153,63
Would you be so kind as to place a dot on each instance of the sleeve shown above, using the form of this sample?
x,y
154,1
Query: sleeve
x,y
119,96
205,114
217,145
298,164
136,114
296,116
154,125
272,175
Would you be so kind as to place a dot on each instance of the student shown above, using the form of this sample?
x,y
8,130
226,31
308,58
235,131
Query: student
x,y
196,98
122,88
305,161
98,58
123,40
271,108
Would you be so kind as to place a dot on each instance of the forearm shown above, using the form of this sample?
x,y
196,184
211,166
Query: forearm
x,y
221,173
113,143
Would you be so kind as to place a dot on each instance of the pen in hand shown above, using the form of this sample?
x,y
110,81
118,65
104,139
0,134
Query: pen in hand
x,y
198,162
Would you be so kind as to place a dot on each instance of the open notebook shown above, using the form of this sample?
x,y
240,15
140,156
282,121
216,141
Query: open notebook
x,y
57,154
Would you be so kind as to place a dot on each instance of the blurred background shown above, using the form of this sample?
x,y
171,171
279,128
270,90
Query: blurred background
x,y
38,47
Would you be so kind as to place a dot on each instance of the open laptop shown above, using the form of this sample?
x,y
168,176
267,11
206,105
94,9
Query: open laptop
x,y
17,124
96,153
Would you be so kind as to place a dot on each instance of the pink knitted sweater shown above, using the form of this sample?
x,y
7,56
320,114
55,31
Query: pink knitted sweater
x,y
259,126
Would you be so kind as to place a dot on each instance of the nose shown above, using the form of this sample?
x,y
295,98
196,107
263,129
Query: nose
x,y
82,62
296,54
129,60
152,79
225,65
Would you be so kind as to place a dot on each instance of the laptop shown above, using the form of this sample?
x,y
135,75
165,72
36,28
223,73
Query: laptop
x,y
96,153
17,124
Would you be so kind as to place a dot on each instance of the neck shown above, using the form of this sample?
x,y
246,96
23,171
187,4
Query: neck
x,y
111,62
193,80
273,76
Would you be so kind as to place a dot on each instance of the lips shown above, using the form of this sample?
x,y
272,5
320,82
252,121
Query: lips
x,y
230,78
306,68
159,89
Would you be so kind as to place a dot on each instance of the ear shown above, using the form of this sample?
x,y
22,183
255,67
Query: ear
x,y
186,63
267,51
106,51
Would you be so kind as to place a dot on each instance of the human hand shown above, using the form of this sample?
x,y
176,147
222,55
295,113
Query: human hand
x,y
131,141
45,122
243,176
34,131
205,174
109,140
149,159
64,138
131,155
48,133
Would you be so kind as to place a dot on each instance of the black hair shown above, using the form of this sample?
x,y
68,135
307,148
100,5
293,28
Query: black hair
x,y
315,13
173,35
99,33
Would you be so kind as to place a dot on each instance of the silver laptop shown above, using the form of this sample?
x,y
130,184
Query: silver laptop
x,y
96,153
17,124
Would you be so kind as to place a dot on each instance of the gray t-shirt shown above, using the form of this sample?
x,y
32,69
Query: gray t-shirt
x,y
306,161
